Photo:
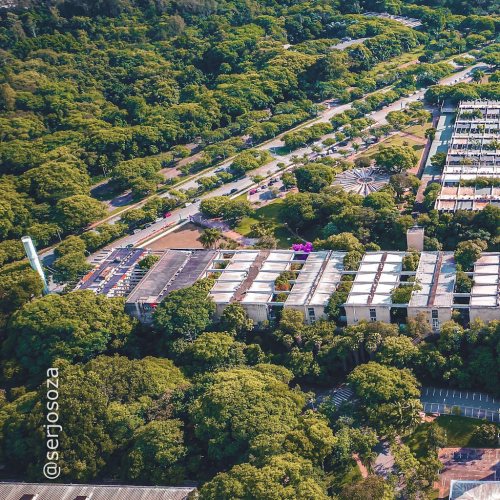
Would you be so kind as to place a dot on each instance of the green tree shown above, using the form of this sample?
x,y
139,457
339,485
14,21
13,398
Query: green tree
x,y
213,351
55,180
379,200
105,402
283,476
370,488
18,287
486,435
314,177
404,182
396,159
390,396
234,423
70,267
234,319
149,261
76,212
397,351
467,252
157,453
75,327
209,237
430,133
185,313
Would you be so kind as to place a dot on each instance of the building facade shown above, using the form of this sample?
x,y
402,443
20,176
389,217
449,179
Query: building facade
x,y
471,175
267,281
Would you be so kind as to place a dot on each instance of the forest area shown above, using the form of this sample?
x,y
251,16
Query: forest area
x,y
118,91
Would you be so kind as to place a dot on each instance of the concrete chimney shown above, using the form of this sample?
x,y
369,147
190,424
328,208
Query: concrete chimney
x,y
415,238
30,250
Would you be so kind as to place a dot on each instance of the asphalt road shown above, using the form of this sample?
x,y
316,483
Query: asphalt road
x,y
272,168
266,170
455,397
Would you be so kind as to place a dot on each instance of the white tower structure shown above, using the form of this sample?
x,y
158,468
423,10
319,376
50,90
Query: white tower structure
x,y
415,238
30,250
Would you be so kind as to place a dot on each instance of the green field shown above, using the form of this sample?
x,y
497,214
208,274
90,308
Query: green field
x,y
459,431
396,140
395,63
418,130
268,213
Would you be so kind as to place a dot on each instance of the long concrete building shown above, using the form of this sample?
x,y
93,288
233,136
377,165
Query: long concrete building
x,y
55,491
266,281
471,175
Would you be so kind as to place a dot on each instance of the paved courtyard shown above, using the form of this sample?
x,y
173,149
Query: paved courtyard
x,y
468,464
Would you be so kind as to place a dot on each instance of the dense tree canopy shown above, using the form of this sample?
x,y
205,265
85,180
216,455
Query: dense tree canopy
x,y
75,327
234,424
185,313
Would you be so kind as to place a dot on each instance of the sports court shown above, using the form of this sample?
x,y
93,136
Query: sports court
x,y
472,464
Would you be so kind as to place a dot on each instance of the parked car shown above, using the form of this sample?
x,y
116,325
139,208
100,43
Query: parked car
x,y
252,191
234,190
167,214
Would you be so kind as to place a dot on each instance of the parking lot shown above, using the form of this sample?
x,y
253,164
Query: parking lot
x,y
471,404
266,191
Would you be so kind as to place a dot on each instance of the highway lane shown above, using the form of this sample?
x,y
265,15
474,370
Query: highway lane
x,y
266,170
272,167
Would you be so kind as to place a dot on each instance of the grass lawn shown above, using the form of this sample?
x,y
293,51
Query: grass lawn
x,y
419,130
351,475
396,62
268,213
395,140
459,431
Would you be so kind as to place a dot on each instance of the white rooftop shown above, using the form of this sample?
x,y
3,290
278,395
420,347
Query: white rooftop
x,y
485,291
378,274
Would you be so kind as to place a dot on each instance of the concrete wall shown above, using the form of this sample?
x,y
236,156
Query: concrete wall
x,y
444,313
256,312
355,314
485,313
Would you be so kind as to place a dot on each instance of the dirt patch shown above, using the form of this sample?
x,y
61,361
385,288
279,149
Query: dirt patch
x,y
170,172
467,464
184,237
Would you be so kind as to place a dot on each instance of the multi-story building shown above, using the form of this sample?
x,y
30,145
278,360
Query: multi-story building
x,y
266,281
471,175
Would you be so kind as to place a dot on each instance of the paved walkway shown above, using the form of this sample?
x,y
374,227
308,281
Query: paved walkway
x,y
444,130
362,469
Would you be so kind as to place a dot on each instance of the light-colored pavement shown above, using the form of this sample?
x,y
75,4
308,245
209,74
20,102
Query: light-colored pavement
x,y
456,397
348,43
265,170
